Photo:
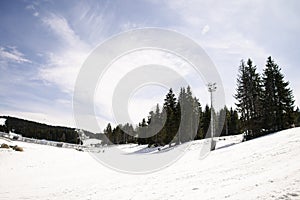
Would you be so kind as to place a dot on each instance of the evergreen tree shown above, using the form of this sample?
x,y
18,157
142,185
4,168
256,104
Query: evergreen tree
x,y
278,99
233,122
155,125
128,136
249,97
151,128
197,119
171,127
108,132
297,117
221,123
142,132
206,120
182,111
189,111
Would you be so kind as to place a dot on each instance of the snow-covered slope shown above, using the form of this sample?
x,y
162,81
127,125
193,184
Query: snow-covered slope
x,y
264,168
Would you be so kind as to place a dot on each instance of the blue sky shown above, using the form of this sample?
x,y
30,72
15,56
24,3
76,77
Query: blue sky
x,y
44,43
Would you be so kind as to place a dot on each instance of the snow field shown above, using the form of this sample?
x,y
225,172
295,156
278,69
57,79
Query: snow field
x,y
263,168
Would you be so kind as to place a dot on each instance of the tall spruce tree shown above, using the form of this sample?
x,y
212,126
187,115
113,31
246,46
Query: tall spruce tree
x,y
278,100
181,116
142,132
205,120
233,123
171,127
222,116
249,97
108,133
197,120
128,135
189,111
297,117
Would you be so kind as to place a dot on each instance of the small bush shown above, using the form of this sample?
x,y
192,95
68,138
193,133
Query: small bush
x,y
5,146
16,148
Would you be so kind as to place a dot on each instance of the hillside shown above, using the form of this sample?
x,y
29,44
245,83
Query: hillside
x,y
37,130
263,168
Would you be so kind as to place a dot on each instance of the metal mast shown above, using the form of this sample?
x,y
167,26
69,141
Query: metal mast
x,y
212,87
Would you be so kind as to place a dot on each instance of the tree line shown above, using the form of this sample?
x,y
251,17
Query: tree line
x,y
265,104
180,120
265,101
36,130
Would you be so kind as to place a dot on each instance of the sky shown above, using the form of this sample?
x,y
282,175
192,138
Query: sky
x,y
43,45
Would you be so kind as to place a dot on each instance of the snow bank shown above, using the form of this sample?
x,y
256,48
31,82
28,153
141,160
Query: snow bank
x,y
263,168
2,121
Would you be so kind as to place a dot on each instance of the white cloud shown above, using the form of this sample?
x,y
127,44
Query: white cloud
x,y
30,7
205,29
12,54
139,105
61,28
33,9
62,67
129,25
228,40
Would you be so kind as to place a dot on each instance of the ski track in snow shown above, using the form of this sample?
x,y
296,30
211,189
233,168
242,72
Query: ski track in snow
x,y
263,168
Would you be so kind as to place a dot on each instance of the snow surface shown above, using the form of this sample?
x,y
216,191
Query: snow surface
x,y
263,168
91,141
2,121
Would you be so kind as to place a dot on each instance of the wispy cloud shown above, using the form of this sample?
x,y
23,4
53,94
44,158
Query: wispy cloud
x,y
62,66
62,29
130,25
224,34
32,7
10,54
124,65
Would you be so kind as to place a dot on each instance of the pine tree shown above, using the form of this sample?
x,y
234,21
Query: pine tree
x,y
108,133
154,126
128,136
233,122
206,121
183,114
197,124
117,135
222,116
189,111
278,100
249,97
158,120
297,117
171,127
142,132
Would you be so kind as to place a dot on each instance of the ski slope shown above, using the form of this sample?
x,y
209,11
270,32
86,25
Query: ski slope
x,y
263,168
